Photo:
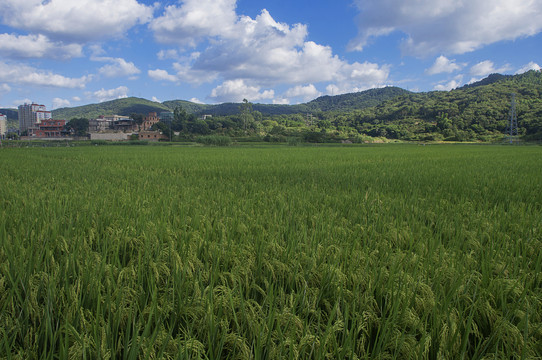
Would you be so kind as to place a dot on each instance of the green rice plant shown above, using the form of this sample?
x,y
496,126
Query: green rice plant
x,y
358,252
214,140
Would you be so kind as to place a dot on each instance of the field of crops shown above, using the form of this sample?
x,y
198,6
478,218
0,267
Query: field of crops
x,y
385,252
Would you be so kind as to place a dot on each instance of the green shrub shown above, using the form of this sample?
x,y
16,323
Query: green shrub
x,y
214,140
293,141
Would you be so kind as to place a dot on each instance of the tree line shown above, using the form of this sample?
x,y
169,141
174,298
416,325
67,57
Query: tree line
x,y
478,112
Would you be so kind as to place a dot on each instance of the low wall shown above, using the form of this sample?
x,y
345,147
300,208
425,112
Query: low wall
x,y
110,136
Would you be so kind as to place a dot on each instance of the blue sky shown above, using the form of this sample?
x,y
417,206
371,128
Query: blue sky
x,y
69,53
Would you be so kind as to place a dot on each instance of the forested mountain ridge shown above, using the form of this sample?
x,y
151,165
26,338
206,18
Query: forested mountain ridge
x,y
353,101
466,113
124,106
491,79
478,111
127,106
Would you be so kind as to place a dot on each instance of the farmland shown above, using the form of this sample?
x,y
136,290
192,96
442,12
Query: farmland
x,y
396,251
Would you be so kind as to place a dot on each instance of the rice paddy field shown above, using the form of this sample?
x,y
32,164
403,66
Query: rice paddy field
x,y
159,252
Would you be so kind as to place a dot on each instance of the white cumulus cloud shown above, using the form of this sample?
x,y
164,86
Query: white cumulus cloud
x,y
75,21
168,54
194,20
308,92
60,103
162,75
451,27
530,66
281,101
487,67
196,100
5,88
452,84
117,67
27,75
237,90
443,65
36,46
258,53
105,95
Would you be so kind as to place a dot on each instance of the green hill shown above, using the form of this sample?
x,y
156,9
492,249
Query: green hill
x,y
12,116
124,107
476,111
471,112
227,109
491,79
354,101
189,107
127,106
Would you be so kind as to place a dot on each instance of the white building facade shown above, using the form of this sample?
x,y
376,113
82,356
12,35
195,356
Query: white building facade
x,y
3,126
32,114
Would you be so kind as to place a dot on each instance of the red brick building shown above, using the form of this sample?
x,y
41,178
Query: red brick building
x,y
49,129
149,121
152,136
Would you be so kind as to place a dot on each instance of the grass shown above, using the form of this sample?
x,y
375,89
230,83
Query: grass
x,y
384,252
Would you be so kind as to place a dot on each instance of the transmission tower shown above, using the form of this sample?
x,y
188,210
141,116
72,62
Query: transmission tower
x,y
513,120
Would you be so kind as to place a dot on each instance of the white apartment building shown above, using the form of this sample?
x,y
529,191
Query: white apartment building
x,y
3,126
32,114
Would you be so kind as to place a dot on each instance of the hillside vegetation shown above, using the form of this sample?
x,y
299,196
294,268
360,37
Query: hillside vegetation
x,y
125,107
469,112
12,116
479,111
132,105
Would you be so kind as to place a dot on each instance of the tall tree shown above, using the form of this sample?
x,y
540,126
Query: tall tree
x,y
138,118
246,112
78,125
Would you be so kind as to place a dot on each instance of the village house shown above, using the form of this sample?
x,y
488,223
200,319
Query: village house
x,y
152,136
49,128
149,121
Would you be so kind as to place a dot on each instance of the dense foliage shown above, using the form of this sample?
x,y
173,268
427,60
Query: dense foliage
x,y
78,126
476,112
353,101
405,252
135,105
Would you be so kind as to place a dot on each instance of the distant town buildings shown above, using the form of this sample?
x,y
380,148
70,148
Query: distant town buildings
x,y
36,122
3,126
105,123
149,121
50,129
151,136
124,124
99,125
32,114
119,128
